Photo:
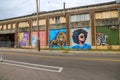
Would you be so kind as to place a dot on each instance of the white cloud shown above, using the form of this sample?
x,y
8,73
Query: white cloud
x,y
14,8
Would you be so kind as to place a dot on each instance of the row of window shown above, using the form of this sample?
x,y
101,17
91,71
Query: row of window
x,y
73,18
9,26
81,17
34,28
107,22
106,14
99,15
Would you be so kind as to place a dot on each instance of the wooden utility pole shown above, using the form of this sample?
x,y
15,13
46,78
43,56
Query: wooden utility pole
x,y
47,31
30,32
67,16
68,28
38,25
16,35
93,30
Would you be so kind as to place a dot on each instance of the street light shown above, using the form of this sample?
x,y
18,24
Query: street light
x,y
38,25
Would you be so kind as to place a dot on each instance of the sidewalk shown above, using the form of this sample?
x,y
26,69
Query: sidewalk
x,y
59,52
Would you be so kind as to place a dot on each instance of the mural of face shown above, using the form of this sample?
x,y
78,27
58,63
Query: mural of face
x,y
60,40
61,37
24,39
79,37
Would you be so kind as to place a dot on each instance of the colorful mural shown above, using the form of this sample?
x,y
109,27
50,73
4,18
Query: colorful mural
x,y
34,39
42,38
101,39
81,38
57,38
107,36
23,39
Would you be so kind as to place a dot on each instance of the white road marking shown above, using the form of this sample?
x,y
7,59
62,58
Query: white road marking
x,y
60,70
31,64
23,64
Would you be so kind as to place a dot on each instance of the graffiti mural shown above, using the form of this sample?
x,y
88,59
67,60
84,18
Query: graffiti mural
x,y
42,38
34,39
57,38
101,39
107,36
81,38
23,39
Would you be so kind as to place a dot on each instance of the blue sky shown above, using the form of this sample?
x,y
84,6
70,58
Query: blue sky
x,y
15,8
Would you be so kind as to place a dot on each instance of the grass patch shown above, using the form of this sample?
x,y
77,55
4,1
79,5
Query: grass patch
x,y
67,50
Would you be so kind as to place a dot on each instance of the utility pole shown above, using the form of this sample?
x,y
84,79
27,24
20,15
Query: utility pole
x,y
38,25
64,8
93,30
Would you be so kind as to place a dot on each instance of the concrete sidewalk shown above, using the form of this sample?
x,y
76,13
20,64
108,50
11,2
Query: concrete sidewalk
x,y
59,52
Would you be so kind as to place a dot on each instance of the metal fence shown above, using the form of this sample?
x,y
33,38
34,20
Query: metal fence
x,y
6,44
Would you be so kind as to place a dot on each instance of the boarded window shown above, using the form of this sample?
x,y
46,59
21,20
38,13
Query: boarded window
x,y
0,27
42,22
62,19
52,21
23,24
35,23
13,26
9,26
107,14
4,27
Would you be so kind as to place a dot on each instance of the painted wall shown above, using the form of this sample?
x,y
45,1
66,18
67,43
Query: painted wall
x,y
42,38
57,38
107,36
23,39
81,38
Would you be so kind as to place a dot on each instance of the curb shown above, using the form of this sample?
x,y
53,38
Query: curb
x,y
60,52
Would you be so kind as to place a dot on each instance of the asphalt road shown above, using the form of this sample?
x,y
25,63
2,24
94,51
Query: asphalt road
x,y
75,67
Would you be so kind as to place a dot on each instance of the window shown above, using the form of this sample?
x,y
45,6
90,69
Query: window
x,y
0,27
23,29
52,18
80,17
57,19
9,26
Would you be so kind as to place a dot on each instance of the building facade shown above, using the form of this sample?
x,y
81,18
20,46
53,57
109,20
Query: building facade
x,y
87,27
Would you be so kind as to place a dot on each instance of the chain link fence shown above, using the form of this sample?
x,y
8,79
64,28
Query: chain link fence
x,y
6,44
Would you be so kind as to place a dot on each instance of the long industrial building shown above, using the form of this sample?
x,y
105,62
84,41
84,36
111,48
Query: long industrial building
x,y
86,27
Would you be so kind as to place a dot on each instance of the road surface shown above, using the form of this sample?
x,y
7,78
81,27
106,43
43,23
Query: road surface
x,y
40,66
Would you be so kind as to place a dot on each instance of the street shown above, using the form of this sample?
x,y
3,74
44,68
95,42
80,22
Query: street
x,y
58,67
